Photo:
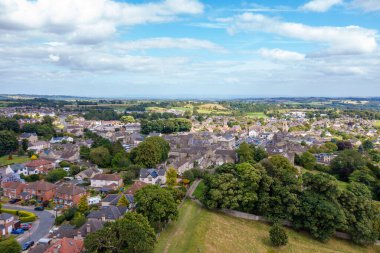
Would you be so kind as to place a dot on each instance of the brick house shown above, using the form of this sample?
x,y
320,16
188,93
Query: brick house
x,y
69,194
66,245
13,190
42,165
41,190
112,181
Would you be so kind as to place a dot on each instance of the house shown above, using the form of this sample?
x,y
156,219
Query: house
x,y
31,137
38,146
112,181
41,165
113,199
70,231
17,168
55,140
41,190
137,185
107,213
12,177
68,194
7,222
94,200
66,245
13,190
153,176
88,174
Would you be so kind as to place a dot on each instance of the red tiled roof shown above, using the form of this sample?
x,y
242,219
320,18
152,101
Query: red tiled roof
x,y
40,186
135,187
37,163
12,185
66,245
70,189
107,177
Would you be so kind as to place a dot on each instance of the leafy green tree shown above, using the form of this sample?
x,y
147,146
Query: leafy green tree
x,y
10,245
83,204
360,190
346,162
259,153
321,183
100,156
127,119
132,233
157,204
150,152
8,142
244,153
277,235
120,160
367,145
123,201
24,144
78,220
56,175
364,176
308,160
319,215
85,152
362,217
117,148
171,177
74,169
9,124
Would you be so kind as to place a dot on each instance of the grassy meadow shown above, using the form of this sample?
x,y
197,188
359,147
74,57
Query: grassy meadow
x,y
15,159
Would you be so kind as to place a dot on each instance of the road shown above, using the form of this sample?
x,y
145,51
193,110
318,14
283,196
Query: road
x,y
41,226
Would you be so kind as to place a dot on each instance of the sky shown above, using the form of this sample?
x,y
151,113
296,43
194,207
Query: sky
x,y
190,48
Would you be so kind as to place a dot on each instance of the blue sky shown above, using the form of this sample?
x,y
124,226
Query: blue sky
x,y
190,48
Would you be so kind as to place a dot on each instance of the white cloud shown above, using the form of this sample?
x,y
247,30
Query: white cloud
x,y
169,43
279,54
340,40
320,5
54,58
366,5
88,20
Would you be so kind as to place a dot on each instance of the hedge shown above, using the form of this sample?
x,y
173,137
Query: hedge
x,y
24,216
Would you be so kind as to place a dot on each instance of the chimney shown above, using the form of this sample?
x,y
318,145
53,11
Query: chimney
x,y
88,228
103,217
79,235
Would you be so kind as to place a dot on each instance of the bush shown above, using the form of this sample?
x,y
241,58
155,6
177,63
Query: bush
x,y
24,216
278,235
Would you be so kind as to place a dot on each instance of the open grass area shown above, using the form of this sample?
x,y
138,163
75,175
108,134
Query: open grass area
x,y
15,159
377,123
257,115
198,193
200,230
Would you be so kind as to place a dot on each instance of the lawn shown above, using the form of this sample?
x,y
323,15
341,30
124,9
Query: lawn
x,y
377,123
15,159
258,115
198,193
200,230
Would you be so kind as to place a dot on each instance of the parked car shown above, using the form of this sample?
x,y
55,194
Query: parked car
x,y
26,226
27,245
39,208
13,201
18,231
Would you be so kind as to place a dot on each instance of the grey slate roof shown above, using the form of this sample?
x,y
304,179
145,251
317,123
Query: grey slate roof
x,y
114,198
144,173
110,212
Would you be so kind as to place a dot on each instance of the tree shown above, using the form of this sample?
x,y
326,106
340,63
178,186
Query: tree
x,y
85,152
132,233
10,245
364,176
346,162
127,119
24,144
150,152
100,156
78,220
171,177
244,153
74,169
120,160
278,235
83,204
116,148
9,124
56,175
123,201
157,204
307,160
8,142
367,145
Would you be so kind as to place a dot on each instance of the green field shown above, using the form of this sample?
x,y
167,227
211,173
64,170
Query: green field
x,y
257,115
198,193
200,230
15,159
377,123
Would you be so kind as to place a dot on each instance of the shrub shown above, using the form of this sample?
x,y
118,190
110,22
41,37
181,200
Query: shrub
x,y
24,216
278,235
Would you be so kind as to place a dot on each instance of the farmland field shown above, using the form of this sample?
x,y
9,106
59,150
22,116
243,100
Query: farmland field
x,y
201,230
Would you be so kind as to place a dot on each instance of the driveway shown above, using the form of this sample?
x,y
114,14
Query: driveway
x,y
41,226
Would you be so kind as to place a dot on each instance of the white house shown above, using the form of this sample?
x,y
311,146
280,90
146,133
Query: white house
x,y
94,200
153,176
17,168
107,181
6,223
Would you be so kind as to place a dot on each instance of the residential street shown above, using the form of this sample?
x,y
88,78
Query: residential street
x,y
40,227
